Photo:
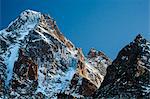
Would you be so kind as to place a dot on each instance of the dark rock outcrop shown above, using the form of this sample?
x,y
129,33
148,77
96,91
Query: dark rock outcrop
x,y
129,74
37,61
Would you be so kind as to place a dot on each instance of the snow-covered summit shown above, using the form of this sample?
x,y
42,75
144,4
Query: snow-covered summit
x,y
37,60
28,19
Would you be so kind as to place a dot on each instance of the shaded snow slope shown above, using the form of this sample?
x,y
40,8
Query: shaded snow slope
x,y
20,28
41,62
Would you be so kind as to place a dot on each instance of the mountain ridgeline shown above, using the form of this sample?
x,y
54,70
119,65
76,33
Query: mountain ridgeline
x,y
38,62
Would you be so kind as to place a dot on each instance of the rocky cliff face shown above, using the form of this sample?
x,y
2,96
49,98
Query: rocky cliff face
x,y
129,74
37,61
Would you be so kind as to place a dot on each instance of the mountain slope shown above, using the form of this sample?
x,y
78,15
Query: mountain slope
x,y
129,74
36,60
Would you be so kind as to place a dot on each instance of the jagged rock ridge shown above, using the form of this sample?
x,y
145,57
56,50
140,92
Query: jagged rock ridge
x,y
129,74
37,61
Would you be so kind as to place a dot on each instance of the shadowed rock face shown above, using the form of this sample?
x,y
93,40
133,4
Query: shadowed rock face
x,y
3,48
24,69
128,76
99,60
88,77
37,61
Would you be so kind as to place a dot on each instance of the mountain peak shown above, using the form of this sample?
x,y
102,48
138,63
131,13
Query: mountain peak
x,y
28,19
128,76
138,38
93,53
30,15
38,59
30,11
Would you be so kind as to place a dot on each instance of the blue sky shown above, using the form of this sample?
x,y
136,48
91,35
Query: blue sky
x,y
107,25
